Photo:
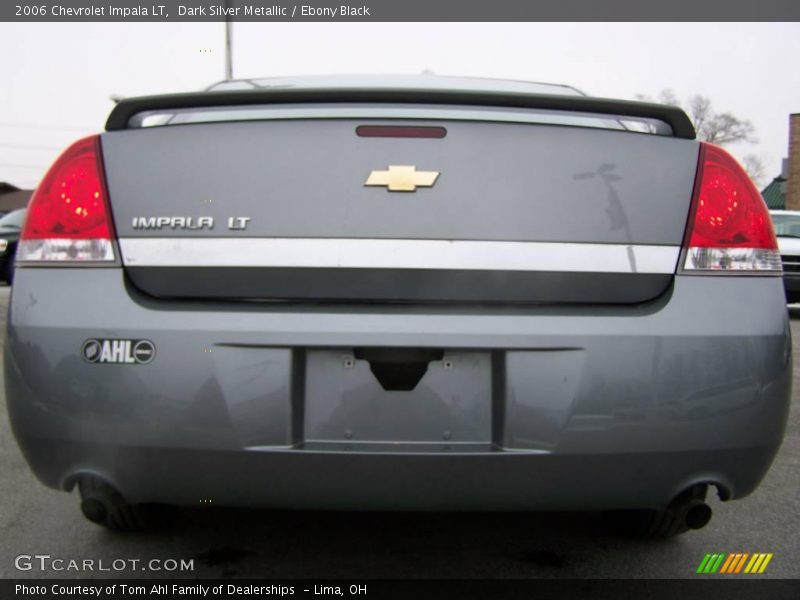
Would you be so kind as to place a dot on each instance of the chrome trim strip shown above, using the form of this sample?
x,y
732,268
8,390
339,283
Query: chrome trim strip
x,y
351,253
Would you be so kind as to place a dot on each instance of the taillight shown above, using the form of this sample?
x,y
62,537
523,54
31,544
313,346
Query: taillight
x,y
68,216
729,226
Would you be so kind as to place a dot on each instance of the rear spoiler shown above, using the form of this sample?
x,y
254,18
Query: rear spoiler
x,y
671,115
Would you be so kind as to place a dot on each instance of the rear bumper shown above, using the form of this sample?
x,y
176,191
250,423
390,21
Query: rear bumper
x,y
572,408
302,479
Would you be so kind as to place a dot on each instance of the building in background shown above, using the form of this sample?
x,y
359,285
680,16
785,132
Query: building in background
x,y
793,164
783,192
775,193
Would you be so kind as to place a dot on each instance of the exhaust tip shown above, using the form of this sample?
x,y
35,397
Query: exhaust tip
x,y
94,510
698,515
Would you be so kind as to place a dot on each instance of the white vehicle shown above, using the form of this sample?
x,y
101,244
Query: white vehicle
x,y
787,228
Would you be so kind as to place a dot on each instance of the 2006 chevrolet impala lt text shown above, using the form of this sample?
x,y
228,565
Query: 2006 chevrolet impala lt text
x,y
416,293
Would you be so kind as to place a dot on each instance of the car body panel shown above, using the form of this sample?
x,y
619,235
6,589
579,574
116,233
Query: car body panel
x,y
528,188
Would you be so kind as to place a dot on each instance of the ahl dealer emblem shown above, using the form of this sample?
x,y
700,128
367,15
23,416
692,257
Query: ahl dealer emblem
x,y
400,178
116,351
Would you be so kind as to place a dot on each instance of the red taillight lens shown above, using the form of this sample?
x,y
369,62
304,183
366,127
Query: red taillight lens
x,y
68,217
730,227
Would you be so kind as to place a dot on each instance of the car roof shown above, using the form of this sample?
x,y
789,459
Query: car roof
x,y
398,82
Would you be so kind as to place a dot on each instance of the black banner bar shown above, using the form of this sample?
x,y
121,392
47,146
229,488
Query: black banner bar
x,y
397,10
746,587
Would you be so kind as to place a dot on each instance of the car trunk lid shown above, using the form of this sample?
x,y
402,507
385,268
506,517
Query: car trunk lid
x,y
281,209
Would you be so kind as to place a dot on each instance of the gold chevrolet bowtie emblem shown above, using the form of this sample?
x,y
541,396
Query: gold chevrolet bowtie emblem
x,y
402,178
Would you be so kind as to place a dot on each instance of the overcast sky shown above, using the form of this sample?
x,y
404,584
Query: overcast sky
x,y
57,78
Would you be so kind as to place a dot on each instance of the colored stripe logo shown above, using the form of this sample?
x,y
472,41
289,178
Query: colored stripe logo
x,y
735,563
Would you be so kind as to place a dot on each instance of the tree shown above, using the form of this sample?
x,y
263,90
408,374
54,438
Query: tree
x,y
717,128
755,168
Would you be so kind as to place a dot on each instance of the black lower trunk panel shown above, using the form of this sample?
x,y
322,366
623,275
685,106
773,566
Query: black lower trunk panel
x,y
398,285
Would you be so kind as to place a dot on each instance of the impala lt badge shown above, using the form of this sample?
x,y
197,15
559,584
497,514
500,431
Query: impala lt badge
x,y
402,178
189,223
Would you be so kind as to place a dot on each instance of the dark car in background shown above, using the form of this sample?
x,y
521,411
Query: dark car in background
x,y
10,228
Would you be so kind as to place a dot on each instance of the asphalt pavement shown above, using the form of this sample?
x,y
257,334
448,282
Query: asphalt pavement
x,y
234,543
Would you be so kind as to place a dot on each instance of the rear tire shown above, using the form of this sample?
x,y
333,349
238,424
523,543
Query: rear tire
x,y
658,524
103,505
